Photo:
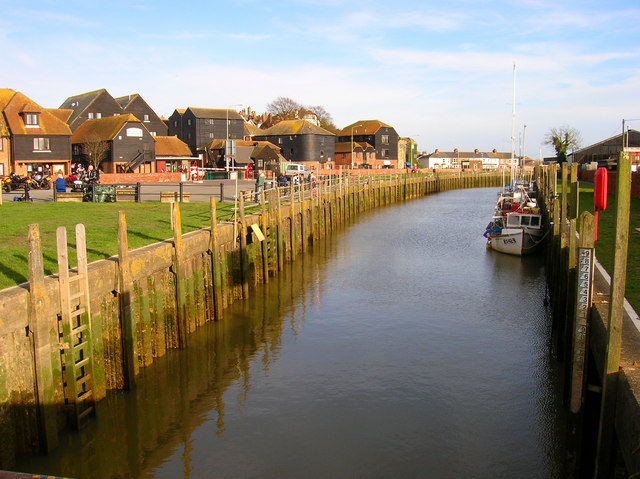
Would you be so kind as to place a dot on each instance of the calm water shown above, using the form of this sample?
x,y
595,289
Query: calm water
x,y
400,348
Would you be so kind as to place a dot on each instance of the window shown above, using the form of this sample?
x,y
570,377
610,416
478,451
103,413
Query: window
x,y
189,121
211,135
385,153
145,118
175,123
76,149
137,132
385,139
279,141
535,221
90,116
41,144
153,133
524,221
31,120
2,169
1,145
209,121
322,141
98,115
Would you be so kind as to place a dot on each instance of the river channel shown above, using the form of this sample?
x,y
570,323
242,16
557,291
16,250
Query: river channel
x,y
400,348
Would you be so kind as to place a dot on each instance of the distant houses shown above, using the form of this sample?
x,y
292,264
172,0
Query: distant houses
x,y
466,160
124,134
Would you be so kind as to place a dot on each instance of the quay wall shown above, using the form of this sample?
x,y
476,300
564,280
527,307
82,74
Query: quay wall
x,y
147,301
596,333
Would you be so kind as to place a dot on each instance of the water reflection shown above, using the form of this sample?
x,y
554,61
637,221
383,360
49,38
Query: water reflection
x,y
399,346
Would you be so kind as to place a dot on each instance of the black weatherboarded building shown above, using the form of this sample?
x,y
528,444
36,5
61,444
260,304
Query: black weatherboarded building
x,y
198,126
301,141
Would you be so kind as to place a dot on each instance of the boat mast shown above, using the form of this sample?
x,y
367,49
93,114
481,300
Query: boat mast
x,y
513,120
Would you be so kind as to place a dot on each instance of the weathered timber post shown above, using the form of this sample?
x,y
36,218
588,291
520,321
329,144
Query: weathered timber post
x,y
264,225
244,257
280,232
616,312
216,266
42,333
181,282
130,365
582,311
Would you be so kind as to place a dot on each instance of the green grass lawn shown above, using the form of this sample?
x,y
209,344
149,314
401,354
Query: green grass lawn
x,y
606,237
147,223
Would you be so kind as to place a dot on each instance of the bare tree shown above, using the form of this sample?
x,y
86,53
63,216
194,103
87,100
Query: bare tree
x,y
563,139
323,117
284,107
95,150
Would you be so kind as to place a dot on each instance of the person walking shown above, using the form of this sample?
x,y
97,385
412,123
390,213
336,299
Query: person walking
x,y
259,185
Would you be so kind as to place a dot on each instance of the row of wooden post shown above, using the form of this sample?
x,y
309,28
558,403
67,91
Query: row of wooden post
x,y
570,263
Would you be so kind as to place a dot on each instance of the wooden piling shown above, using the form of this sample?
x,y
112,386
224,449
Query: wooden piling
x,y
179,272
216,267
125,298
605,445
43,333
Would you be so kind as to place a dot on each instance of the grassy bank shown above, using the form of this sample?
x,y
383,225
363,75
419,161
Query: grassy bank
x,y
606,240
147,223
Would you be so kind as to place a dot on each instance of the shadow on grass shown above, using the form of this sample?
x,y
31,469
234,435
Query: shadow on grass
x,y
14,275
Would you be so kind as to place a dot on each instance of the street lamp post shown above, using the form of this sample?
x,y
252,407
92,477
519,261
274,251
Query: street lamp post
x,y
354,126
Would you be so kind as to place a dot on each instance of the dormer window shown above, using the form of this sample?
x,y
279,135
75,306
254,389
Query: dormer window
x,y
31,120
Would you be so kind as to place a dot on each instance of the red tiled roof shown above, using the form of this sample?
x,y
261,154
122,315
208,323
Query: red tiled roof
x,y
363,127
102,129
171,146
295,127
14,104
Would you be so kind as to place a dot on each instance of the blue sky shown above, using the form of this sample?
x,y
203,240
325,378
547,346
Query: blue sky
x,y
440,72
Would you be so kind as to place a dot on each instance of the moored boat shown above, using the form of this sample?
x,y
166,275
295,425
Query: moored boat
x,y
516,227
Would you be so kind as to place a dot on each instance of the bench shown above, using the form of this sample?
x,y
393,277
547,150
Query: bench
x,y
127,195
173,196
70,197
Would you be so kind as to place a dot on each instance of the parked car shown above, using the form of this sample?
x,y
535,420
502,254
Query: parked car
x,y
292,169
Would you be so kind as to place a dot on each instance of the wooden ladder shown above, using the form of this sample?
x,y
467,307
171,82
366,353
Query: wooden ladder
x,y
75,329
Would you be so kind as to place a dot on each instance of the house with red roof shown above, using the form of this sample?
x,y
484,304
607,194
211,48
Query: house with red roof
x,y
382,137
33,138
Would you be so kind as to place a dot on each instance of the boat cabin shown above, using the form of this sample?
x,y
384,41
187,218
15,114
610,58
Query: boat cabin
x,y
521,220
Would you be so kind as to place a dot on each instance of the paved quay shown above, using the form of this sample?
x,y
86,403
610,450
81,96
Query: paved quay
x,y
199,191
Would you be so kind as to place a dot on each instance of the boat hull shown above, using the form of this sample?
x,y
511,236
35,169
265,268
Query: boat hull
x,y
517,242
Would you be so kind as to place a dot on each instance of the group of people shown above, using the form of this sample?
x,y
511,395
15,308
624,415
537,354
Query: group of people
x,y
89,176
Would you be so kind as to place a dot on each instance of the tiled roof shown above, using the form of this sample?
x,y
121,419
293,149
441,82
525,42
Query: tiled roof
x,y
60,113
13,104
219,144
363,127
267,151
171,146
102,129
215,113
295,127
345,146
123,101
252,130
79,103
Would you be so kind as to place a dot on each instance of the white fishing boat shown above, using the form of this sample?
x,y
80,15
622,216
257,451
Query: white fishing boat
x,y
516,227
